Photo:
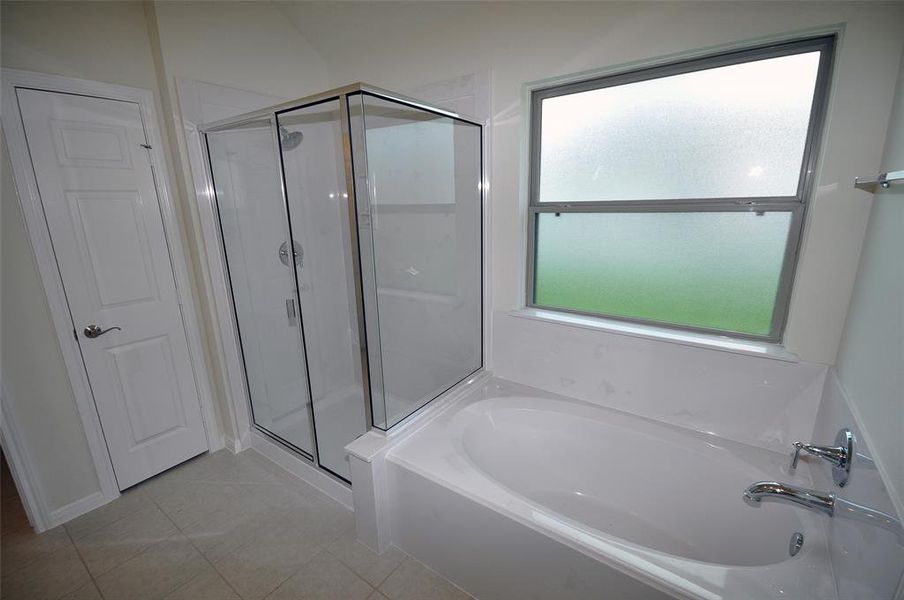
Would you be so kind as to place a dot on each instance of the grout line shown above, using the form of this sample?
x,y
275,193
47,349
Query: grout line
x,y
236,549
405,555
94,530
385,579
353,570
198,550
81,558
30,532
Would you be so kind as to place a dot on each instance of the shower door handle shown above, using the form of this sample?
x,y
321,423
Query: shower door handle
x,y
291,313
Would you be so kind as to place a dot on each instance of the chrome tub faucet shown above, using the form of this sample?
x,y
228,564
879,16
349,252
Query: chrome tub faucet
x,y
821,501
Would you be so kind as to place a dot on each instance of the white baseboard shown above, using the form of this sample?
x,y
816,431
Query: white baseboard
x,y
216,442
302,469
28,487
76,509
231,444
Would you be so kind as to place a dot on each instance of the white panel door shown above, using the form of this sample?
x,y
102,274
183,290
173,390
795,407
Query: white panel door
x,y
97,188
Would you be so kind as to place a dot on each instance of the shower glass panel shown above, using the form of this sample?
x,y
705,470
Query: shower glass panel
x,y
317,197
421,253
254,229
351,232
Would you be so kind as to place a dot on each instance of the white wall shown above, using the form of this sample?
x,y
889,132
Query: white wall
x,y
35,384
401,45
72,39
103,42
245,45
249,44
871,359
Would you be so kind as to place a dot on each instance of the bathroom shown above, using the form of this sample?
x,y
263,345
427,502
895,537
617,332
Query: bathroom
x,y
386,372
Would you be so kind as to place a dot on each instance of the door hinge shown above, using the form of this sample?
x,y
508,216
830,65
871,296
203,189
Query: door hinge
x,y
145,146
75,334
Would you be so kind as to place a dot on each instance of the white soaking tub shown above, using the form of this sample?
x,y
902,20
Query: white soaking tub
x,y
516,493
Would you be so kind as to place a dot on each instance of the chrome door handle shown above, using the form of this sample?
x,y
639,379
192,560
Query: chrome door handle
x,y
297,254
93,331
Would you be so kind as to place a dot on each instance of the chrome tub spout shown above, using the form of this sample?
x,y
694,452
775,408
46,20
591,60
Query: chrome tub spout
x,y
790,493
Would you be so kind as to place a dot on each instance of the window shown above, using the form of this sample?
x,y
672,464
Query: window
x,y
675,195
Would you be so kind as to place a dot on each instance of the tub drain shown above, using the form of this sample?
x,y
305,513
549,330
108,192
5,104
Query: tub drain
x,y
797,542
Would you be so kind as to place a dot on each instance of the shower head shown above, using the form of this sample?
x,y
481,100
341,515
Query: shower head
x,y
289,139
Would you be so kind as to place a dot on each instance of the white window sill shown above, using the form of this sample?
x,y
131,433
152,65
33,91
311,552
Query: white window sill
x,y
663,334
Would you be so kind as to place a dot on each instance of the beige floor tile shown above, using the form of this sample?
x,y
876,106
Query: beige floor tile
x,y
154,573
225,467
49,578
217,533
21,545
319,517
214,516
261,468
119,541
188,501
414,581
129,502
323,578
273,555
372,567
325,521
209,585
88,591
266,532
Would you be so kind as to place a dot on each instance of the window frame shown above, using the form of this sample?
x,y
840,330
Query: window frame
x,y
795,204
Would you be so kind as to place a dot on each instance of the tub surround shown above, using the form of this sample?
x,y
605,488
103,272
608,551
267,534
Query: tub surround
x,y
765,402
867,561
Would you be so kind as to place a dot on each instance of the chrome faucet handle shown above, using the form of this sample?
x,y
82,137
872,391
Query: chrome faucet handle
x,y
798,446
841,455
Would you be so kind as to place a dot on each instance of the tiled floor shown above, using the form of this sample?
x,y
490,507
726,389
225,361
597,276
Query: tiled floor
x,y
219,527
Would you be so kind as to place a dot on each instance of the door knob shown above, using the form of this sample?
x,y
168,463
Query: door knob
x,y
93,331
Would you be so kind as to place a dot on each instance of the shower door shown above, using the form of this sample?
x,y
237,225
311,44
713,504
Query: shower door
x,y
318,205
255,236
283,205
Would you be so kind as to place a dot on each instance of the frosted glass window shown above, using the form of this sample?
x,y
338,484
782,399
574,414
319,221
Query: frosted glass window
x,y
714,270
733,131
675,195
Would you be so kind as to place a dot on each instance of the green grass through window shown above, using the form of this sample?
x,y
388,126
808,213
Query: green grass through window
x,y
715,270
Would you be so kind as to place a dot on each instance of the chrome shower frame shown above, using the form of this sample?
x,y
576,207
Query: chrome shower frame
x,y
353,151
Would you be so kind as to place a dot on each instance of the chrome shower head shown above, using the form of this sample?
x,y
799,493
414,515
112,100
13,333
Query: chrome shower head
x,y
290,139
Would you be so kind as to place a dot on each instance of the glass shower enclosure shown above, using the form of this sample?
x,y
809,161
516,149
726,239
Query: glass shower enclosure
x,y
350,226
